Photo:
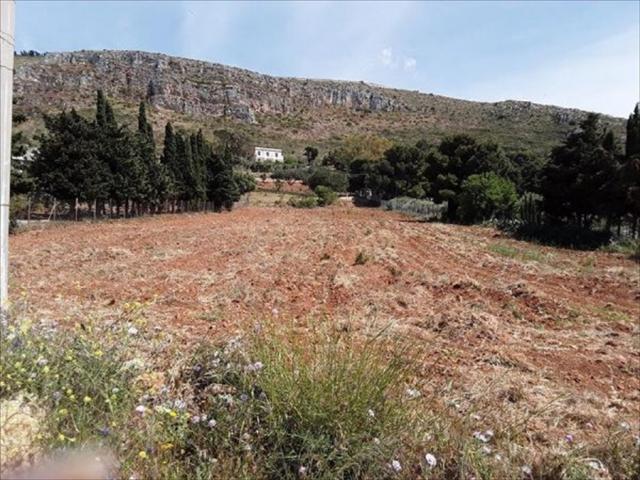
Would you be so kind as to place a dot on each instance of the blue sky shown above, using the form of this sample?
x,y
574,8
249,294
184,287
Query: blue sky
x,y
574,54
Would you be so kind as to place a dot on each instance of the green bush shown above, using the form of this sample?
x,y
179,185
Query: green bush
x,y
246,181
486,196
306,201
325,195
333,179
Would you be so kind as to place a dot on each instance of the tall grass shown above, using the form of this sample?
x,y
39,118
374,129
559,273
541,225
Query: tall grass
x,y
281,402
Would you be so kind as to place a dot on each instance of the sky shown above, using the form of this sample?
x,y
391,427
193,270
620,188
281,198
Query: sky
x,y
573,54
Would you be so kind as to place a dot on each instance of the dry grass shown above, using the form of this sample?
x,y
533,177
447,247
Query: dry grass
x,y
533,342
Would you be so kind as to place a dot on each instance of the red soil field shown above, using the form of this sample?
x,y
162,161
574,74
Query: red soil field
x,y
511,324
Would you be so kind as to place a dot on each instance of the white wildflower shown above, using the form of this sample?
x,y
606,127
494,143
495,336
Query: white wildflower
x,y
254,367
413,393
180,404
484,437
212,423
371,413
431,460
302,471
596,464
395,466
195,419
625,426
376,441
132,330
526,470
141,409
486,449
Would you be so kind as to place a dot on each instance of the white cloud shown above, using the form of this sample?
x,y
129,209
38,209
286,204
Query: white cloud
x,y
410,63
386,57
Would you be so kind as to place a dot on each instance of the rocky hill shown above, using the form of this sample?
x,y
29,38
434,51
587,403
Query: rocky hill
x,y
289,112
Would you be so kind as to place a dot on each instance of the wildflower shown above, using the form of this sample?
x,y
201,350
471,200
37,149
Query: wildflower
x,y
376,441
212,423
302,471
275,312
195,419
254,367
132,331
172,413
166,446
526,470
57,396
62,412
41,362
395,466
141,409
87,399
596,464
180,404
98,353
244,397
413,393
486,450
431,460
625,426
568,438
484,437
142,455
104,431
61,437
115,390
371,413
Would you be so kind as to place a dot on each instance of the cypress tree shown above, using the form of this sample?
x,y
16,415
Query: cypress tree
x,y
101,113
633,134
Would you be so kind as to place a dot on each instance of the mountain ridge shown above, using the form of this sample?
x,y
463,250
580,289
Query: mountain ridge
x,y
308,109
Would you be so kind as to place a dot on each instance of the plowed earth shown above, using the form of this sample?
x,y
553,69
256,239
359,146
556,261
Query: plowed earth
x,y
518,326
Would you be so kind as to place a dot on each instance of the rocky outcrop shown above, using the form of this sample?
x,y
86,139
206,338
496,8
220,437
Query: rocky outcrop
x,y
200,88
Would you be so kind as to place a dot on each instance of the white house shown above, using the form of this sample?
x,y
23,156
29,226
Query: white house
x,y
266,154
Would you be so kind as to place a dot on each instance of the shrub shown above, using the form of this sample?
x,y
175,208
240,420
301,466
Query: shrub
x,y
333,179
486,196
303,201
245,181
326,196
326,407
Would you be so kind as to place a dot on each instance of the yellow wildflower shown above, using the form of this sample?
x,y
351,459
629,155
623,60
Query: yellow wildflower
x,y
45,369
98,353
87,399
61,437
143,455
166,446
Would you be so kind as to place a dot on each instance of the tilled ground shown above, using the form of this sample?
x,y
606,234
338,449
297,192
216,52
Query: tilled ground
x,y
530,332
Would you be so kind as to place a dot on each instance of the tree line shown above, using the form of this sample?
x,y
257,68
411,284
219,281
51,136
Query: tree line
x,y
115,170
589,180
